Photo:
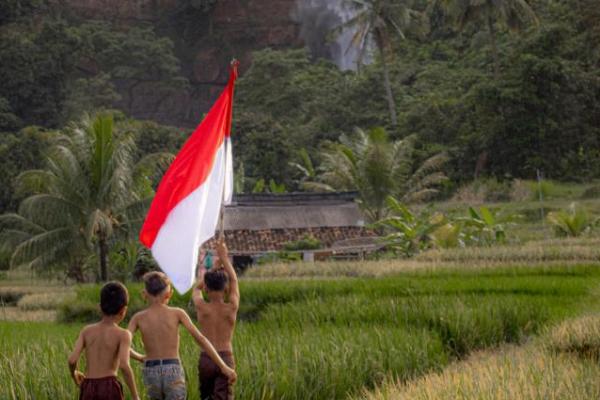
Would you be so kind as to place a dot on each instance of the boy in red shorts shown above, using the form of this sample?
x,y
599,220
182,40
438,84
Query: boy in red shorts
x,y
217,319
107,348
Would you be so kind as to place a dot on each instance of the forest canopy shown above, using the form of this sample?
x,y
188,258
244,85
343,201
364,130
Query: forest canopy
x,y
526,101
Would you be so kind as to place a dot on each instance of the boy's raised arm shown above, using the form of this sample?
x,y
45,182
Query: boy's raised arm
x,y
77,376
199,286
205,344
124,349
234,290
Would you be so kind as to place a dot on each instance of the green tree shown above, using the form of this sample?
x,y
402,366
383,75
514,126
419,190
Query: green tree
x,y
378,168
134,57
38,60
90,192
18,152
514,14
381,20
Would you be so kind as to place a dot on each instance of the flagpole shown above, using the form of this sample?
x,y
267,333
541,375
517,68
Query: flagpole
x,y
234,64
222,211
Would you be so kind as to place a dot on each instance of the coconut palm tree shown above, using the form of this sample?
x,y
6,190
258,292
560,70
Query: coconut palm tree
x,y
379,21
378,168
513,14
90,192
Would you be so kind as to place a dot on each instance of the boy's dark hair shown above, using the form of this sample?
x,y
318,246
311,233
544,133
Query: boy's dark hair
x,y
113,297
156,282
215,280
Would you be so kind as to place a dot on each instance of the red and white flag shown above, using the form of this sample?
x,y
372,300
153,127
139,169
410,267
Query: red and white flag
x,y
185,211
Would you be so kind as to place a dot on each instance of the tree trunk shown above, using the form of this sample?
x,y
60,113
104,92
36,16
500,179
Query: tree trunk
x,y
494,44
379,40
103,254
388,90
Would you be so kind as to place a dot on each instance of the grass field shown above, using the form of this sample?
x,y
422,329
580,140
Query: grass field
x,y
338,338
561,364
505,322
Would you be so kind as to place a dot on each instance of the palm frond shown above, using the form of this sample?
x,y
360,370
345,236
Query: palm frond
x,y
316,187
49,211
33,181
18,222
41,247
420,196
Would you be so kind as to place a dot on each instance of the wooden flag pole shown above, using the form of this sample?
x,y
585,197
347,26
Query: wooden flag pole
x,y
222,211
234,64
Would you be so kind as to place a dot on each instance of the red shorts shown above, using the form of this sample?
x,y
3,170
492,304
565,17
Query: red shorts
x,y
213,384
108,388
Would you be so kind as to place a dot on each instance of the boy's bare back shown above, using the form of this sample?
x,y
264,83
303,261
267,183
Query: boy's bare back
x,y
159,325
217,317
217,323
102,343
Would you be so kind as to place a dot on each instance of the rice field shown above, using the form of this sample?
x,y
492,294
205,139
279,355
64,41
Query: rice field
x,y
561,364
340,338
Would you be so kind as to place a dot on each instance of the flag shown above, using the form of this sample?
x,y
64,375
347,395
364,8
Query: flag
x,y
185,210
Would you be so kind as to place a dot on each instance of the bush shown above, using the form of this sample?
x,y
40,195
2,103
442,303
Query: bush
x,y
497,191
43,301
570,223
485,190
543,189
308,242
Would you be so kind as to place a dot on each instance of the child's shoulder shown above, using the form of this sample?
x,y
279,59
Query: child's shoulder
x,y
177,310
122,333
89,328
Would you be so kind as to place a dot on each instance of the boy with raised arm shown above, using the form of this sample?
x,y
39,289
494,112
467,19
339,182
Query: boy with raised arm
x,y
217,321
107,348
163,374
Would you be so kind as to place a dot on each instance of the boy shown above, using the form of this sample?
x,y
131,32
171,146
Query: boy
x,y
107,348
217,320
163,374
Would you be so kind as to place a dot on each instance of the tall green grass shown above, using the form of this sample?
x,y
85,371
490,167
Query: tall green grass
x,y
332,338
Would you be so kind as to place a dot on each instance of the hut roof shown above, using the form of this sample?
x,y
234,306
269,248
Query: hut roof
x,y
293,211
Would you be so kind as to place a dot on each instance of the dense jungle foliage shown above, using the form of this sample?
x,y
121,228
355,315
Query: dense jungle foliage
x,y
527,100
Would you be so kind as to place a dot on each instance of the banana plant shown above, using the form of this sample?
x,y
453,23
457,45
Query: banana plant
x,y
406,231
449,235
485,226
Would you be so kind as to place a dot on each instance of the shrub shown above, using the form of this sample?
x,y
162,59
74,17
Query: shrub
x,y
308,242
496,190
482,190
43,301
543,189
570,223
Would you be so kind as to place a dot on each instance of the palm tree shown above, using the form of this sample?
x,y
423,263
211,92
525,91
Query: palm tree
x,y
514,14
91,191
378,168
379,20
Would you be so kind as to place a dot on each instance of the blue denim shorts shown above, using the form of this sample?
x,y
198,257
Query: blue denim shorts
x,y
164,381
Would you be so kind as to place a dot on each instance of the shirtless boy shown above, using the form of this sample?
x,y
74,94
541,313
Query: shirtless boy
x,y
217,321
106,348
163,374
